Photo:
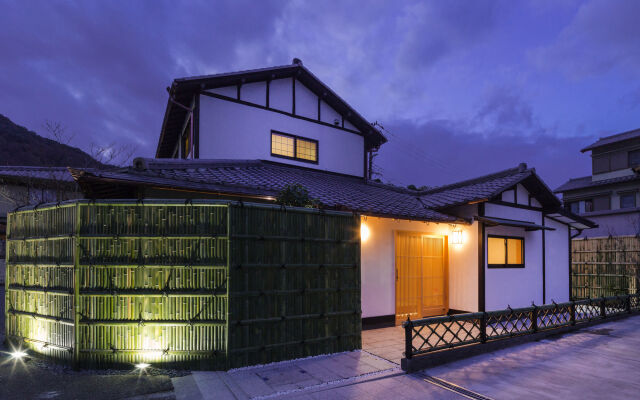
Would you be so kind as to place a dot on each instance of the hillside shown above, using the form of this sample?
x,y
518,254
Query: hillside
x,y
20,146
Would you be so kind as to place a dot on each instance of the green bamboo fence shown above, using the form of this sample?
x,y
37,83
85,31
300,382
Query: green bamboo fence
x,y
201,284
603,267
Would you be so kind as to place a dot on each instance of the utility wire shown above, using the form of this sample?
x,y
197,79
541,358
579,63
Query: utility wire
x,y
419,154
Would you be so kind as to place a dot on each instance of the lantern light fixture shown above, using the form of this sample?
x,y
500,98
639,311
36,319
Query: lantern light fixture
x,y
456,236
364,232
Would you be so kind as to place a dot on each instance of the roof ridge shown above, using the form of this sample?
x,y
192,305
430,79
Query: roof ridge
x,y
611,139
510,171
148,163
619,134
231,73
31,167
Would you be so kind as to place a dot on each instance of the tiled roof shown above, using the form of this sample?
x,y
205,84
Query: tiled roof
x,y
603,141
587,182
60,174
477,189
264,178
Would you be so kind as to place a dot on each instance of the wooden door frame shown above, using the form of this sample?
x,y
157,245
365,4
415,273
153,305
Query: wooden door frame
x,y
445,243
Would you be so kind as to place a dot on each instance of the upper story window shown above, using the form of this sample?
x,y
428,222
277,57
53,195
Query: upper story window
x,y
294,147
574,207
634,158
601,164
600,203
627,200
505,252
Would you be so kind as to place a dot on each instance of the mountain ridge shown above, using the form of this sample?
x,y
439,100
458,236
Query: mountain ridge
x,y
21,146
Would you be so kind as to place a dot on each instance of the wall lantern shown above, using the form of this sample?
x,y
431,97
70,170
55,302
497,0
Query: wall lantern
x,y
364,232
456,236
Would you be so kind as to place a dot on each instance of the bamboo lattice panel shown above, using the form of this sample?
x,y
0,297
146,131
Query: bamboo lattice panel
x,y
208,285
604,267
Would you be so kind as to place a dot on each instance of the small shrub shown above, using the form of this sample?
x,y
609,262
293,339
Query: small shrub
x,y
296,196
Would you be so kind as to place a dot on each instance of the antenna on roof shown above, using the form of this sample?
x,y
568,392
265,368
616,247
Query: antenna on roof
x,y
297,61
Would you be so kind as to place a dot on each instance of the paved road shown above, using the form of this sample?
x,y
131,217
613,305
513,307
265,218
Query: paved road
x,y
600,362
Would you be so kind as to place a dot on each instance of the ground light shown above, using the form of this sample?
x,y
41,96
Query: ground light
x,y
142,366
18,354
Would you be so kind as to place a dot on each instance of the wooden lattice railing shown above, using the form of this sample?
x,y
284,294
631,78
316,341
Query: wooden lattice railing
x,y
440,333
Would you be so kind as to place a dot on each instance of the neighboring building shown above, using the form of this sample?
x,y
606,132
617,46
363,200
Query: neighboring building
x,y
610,195
486,243
21,186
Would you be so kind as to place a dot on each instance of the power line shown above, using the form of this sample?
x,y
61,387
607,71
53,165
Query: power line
x,y
418,154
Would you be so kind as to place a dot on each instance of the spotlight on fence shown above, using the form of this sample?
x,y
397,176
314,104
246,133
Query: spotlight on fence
x,y
142,366
18,354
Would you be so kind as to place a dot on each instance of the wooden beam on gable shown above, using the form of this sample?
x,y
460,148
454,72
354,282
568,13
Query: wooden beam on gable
x,y
196,126
293,93
268,86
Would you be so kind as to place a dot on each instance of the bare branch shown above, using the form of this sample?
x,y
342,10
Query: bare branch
x,y
56,131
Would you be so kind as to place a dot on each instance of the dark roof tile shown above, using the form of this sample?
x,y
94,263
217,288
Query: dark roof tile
x,y
267,179
620,137
587,182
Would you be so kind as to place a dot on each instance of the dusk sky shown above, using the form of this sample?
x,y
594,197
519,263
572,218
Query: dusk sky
x,y
463,88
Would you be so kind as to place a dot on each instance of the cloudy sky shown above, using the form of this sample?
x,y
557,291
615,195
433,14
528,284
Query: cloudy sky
x,y
462,88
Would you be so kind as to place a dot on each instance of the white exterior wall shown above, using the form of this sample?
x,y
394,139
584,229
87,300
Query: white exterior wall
x,y
523,195
328,114
515,287
230,130
255,93
281,94
306,102
518,287
378,265
229,91
557,264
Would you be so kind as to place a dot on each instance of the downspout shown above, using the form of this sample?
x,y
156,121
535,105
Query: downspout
x,y
544,260
577,234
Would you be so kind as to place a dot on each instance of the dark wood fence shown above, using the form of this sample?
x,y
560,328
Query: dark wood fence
x,y
202,284
477,331
604,266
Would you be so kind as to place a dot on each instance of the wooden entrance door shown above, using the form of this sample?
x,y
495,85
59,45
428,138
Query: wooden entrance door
x,y
421,276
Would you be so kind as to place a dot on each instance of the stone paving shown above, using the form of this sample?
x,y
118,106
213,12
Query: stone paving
x,y
387,343
602,361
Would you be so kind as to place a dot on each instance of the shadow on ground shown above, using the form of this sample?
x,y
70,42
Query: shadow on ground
x,y
36,379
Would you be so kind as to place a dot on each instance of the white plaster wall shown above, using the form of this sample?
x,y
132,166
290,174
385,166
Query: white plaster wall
x,y
328,114
507,196
515,287
557,264
523,195
230,130
229,91
349,125
378,265
306,102
255,92
281,94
